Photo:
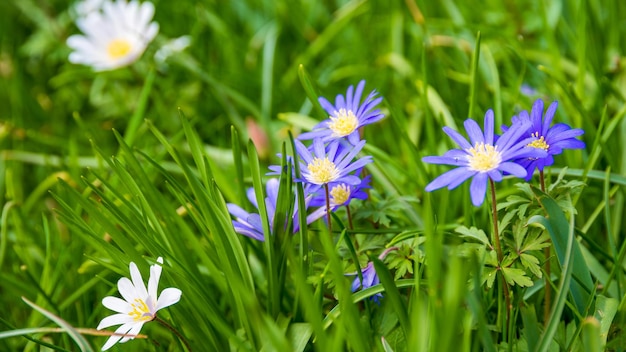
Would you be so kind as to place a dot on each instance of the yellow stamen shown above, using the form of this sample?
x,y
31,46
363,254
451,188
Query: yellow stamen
x,y
140,311
539,143
322,171
343,123
340,194
118,48
483,157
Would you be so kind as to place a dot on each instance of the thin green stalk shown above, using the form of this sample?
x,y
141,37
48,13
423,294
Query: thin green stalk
x,y
546,253
330,225
172,329
349,213
496,237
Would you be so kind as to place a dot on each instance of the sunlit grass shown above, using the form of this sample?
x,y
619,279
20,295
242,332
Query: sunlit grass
x,y
101,169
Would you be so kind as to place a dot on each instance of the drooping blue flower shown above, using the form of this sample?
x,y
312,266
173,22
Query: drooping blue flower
x,y
346,116
484,157
251,225
550,139
342,193
334,163
370,278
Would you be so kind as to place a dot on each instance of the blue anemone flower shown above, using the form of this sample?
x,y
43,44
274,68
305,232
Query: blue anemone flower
x,y
346,116
484,157
342,193
370,278
250,224
550,139
321,165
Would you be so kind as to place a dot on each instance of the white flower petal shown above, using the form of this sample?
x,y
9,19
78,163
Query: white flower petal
x,y
155,275
140,287
116,304
168,297
121,20
127,289
119,332
115,319
133,331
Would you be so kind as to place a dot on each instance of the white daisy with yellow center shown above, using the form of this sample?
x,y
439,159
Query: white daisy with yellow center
x,y
115,36
138,306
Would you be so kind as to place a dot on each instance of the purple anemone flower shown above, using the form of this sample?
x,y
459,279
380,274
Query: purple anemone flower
x,y
339,194
250,224
370,278
550,139
346,116
342,193
484,157
322,165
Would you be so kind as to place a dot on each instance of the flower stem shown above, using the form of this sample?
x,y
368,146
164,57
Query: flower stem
x,y
349,213
546,253
172,329
499,253
328,216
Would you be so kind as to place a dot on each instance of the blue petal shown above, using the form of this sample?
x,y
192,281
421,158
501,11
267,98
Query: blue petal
x,y
548,117
461,178
512,168
444,160
457,138
536,115
474,132
237,211
512,137
495,175
478,188
448,177
488,127
357,95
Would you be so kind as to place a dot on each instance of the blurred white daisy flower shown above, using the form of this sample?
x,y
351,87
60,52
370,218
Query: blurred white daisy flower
x,y
115,36
84,7
139,305
172,47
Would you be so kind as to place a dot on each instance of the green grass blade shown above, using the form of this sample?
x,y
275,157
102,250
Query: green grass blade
x,y
560,232
71,331
392,294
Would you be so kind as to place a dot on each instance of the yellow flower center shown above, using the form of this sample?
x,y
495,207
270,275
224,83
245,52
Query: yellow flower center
x,y
343,123
539,143
140,311
118,48
484,157
322,171
340,194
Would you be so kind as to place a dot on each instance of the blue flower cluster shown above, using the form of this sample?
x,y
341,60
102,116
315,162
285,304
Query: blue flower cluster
x,y
529,144
330,167
331,171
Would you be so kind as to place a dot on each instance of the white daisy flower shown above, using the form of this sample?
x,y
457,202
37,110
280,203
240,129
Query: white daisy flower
x,y
84,7
115,36
139,305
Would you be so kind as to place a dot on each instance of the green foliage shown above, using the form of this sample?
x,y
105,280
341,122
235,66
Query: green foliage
x,y
101,169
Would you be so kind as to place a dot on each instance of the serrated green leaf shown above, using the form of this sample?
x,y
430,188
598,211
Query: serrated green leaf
x,y
531,263
489,276
474,233
516,276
